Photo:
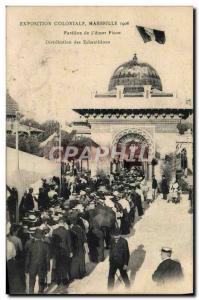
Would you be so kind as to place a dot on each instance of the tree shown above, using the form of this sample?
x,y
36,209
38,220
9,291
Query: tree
x,y
183,127
49,127
168,167
10,140
29,144
30,122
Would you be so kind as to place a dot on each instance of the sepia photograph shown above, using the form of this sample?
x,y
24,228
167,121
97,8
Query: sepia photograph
x,y
100,150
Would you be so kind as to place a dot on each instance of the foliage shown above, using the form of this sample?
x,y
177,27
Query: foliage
x,y
167,167
29,144
157,155
184,186
183,127
30,122
49,127
10,140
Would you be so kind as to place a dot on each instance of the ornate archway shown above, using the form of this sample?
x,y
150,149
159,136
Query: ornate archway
x,y
136,135
143,151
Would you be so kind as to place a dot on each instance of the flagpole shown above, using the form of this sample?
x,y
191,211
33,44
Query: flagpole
x,y
60,159
17,139
17,152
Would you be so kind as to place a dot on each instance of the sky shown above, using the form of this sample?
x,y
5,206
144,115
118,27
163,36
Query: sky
x,y
47,80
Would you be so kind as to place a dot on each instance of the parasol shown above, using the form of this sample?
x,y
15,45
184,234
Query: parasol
x,y
104,220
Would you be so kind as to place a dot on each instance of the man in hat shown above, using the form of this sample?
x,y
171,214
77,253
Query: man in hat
x,y
47,233
169,269
136,199
15,239
43,199
12,203
118,258
29,238
78,238
28,201
164,187
45,227
61,241
32,220
37,262
65,192
15,282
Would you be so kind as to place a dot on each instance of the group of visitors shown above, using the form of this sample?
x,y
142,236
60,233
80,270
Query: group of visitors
x,y
58,225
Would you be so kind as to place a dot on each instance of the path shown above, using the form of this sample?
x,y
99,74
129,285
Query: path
x,y
164,224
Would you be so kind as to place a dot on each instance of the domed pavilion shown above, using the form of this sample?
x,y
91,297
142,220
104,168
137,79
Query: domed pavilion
x,y
137,113
134,75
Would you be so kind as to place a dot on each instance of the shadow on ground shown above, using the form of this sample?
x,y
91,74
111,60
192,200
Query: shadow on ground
x,y
135,262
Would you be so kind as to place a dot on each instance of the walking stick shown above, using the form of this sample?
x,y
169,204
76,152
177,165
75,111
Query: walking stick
x,y
118,277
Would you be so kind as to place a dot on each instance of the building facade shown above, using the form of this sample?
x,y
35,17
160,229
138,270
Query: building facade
x,y
12,115
136,113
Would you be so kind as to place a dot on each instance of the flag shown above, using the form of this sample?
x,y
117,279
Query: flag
x,y
149,35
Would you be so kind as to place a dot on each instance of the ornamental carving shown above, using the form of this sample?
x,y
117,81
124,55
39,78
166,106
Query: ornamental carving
x,y
138,135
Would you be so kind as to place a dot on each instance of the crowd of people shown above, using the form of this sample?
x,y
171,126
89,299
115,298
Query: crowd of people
x,y
59,223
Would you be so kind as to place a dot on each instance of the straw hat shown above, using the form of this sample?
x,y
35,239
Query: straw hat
x,y
32,218
166,250
82,193
31,230
116,193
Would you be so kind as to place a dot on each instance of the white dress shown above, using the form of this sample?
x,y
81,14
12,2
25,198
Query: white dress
x,y
125,204
174,190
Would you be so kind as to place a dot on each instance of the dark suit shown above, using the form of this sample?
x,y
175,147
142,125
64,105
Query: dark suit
x,y
65,193
99,238
43,200
37,263
168,270
119,257
78,238
61,241
164,188
154,184
137,202
29,202
125,223
11,204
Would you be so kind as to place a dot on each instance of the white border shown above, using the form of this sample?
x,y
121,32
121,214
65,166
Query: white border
x,y
3,4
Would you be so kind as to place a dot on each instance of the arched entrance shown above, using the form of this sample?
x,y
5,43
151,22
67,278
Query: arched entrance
x,y
137,147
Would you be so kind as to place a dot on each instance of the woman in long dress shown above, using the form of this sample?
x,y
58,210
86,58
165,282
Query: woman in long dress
x,y
78,237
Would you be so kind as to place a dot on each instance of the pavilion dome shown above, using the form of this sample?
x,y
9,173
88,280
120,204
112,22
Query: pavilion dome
x,y
134,75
